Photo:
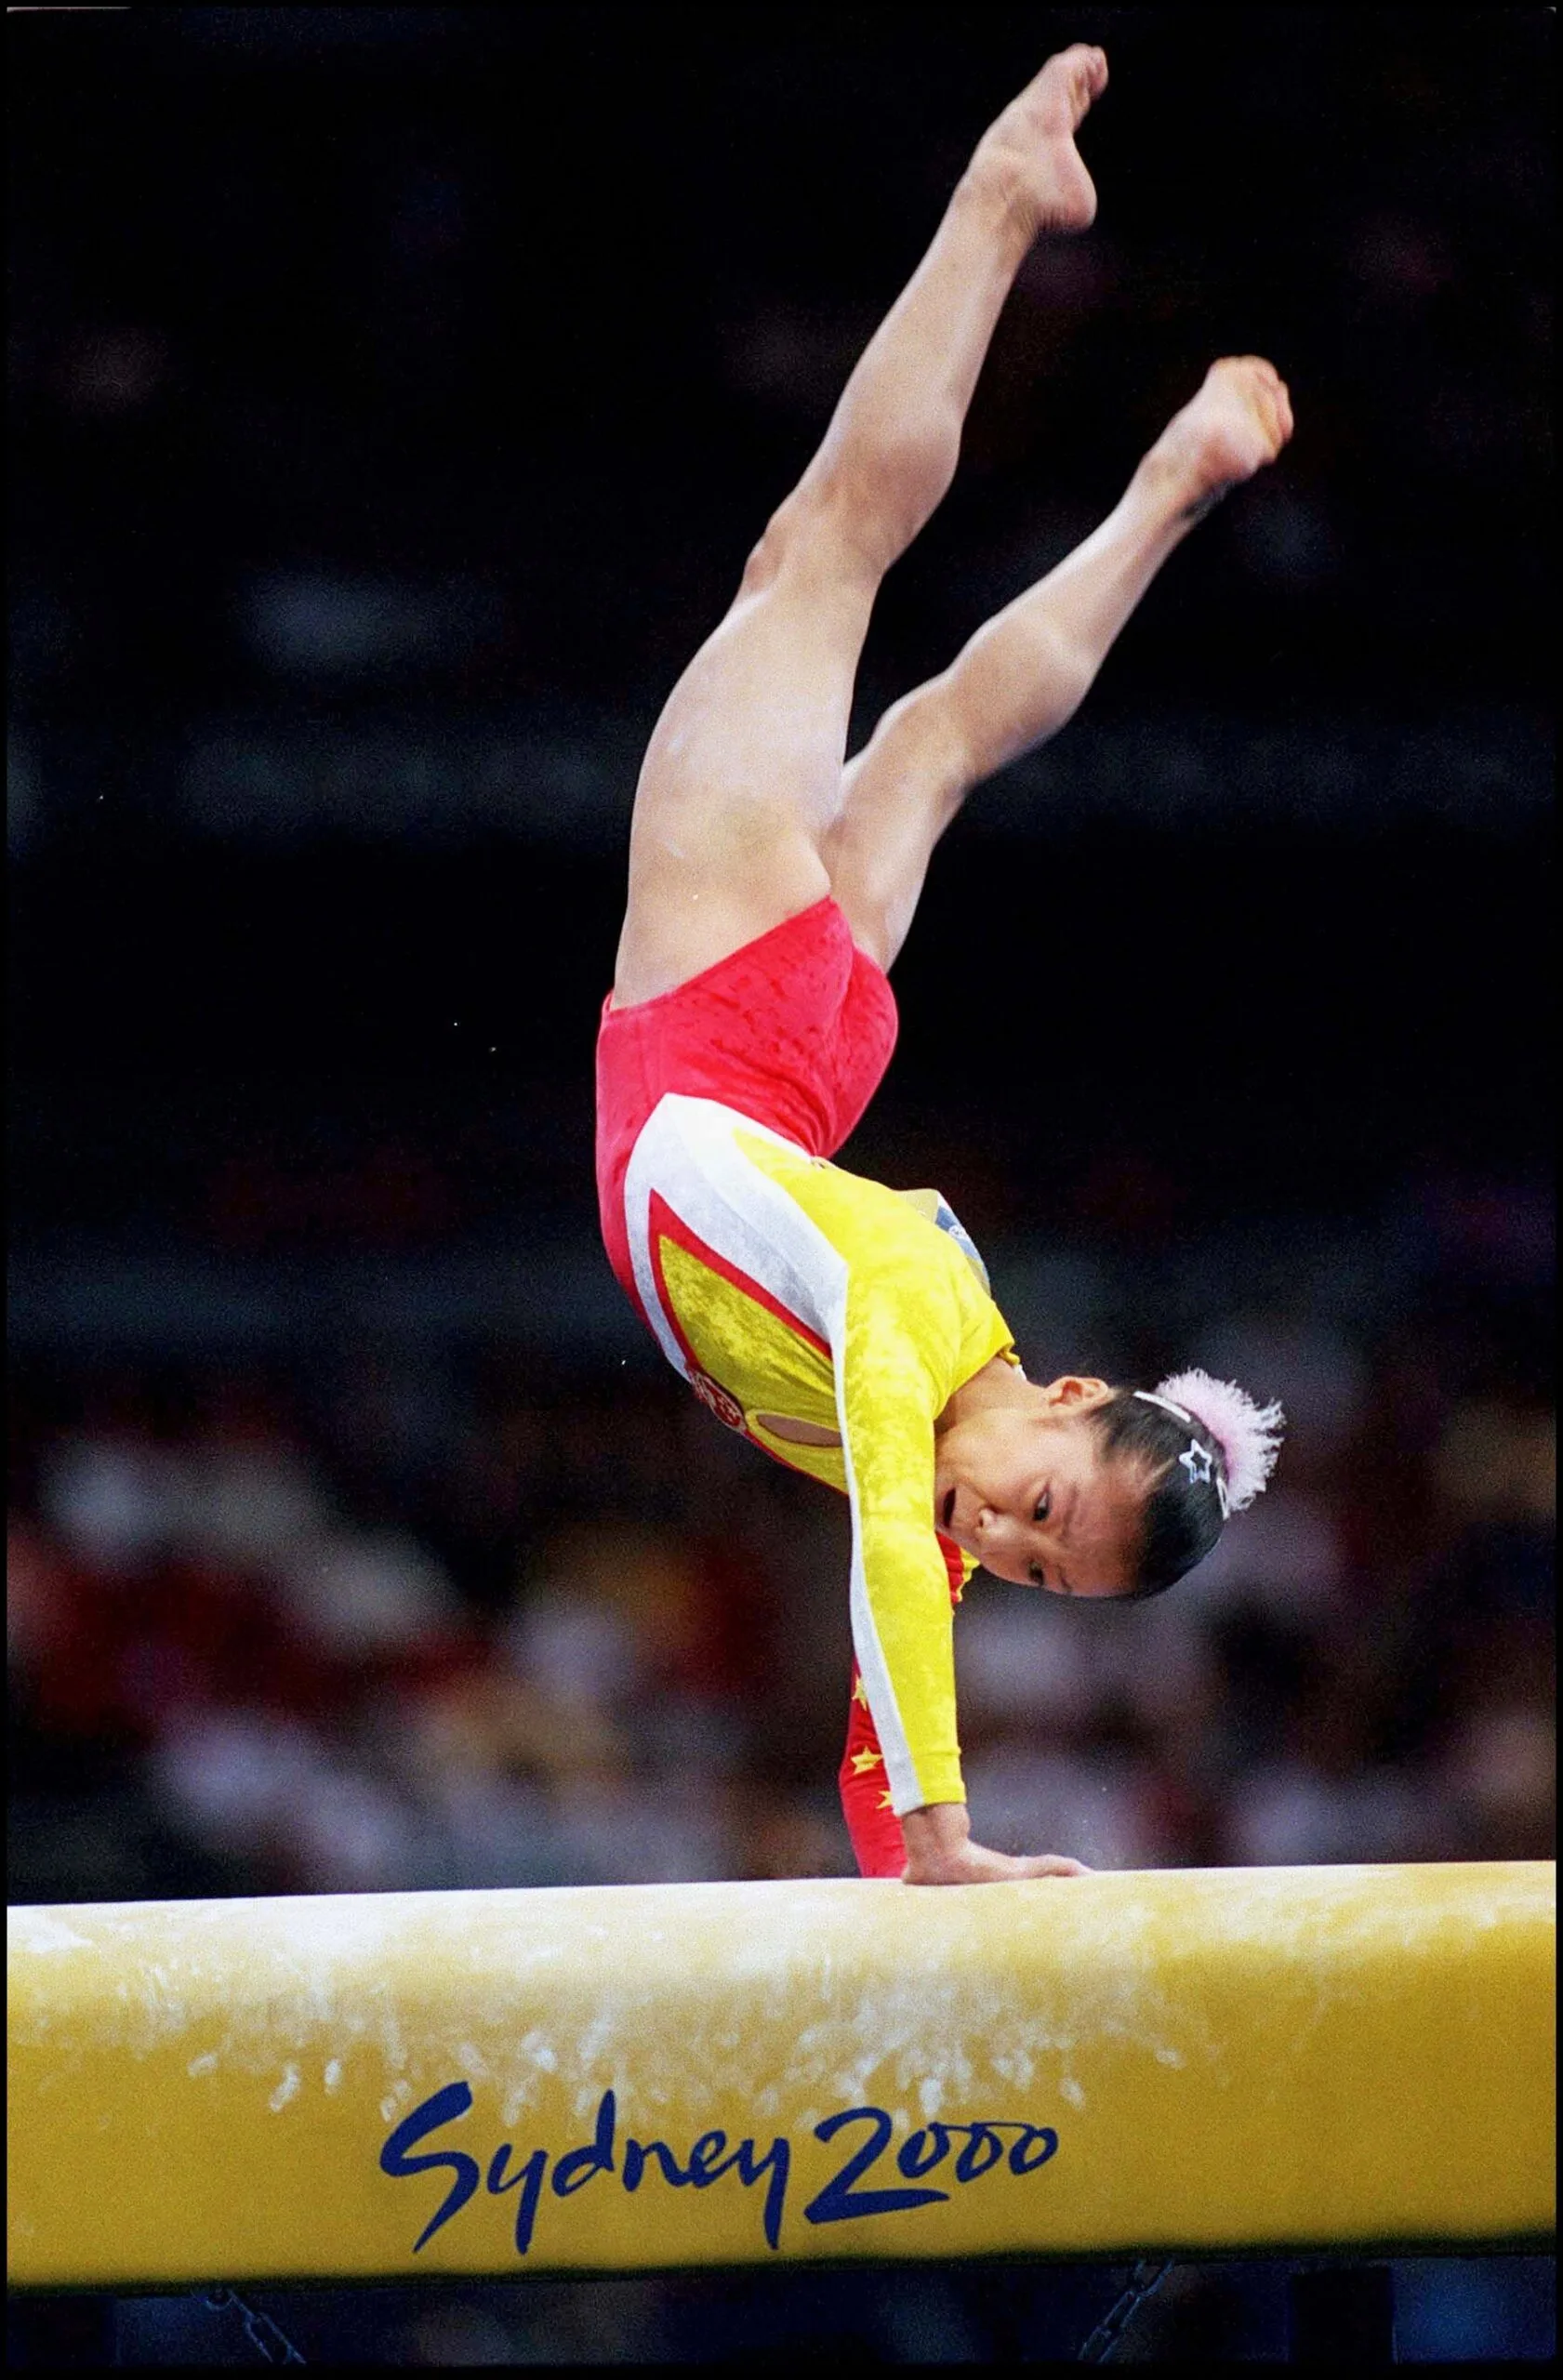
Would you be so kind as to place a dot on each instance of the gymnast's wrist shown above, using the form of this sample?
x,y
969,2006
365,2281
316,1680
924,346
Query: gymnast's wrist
x,y
936,1837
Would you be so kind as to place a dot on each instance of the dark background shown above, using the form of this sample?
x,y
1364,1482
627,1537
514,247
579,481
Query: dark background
x,y
395,394
434,369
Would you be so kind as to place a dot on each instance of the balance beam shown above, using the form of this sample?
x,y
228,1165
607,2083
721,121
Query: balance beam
x,y
636,2077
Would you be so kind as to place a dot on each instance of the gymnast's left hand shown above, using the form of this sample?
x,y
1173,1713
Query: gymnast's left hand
x,y
940,1851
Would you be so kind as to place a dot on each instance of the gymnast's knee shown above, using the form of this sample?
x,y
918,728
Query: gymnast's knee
x,y
806,541
856,509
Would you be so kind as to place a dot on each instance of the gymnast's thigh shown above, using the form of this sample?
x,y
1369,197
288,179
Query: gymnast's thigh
x,y
742,779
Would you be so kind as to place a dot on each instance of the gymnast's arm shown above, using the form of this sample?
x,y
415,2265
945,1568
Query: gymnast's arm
x,y
883,1844
901,1621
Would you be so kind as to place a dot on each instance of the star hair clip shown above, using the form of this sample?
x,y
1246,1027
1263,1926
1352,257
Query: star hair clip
x,y
1200,1466
1197,1462
1247,1436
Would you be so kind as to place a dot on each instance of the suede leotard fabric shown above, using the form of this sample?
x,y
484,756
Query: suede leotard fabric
x,y
787,1290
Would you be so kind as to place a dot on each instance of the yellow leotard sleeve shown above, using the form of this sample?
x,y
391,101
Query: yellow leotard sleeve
x,y
889,1390
792,1292
916,1322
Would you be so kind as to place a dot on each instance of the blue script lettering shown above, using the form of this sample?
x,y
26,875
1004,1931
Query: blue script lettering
x,y
443,2107
1046,2139
529,2180
638,2155
839,2202
703,2171
981,2153
924,2151
574,2171
930,2145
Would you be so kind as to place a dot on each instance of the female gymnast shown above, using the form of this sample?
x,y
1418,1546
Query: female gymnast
x,y
845,1328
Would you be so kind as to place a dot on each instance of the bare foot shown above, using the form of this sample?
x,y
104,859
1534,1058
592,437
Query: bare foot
x,y
1239,422
1031,147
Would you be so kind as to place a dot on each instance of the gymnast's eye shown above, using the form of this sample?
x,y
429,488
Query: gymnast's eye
x,y
1044,1505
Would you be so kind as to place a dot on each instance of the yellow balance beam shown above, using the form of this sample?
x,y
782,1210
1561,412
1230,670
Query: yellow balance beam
x,y
709,2074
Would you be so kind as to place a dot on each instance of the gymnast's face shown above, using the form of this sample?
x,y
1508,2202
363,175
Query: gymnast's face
x,y
1022,1485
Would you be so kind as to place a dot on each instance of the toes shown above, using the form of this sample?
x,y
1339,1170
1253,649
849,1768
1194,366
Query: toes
x,y
1262,379
1252,383
1087,72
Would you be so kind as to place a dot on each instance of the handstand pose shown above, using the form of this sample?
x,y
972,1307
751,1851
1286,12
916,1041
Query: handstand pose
x,y
845,1328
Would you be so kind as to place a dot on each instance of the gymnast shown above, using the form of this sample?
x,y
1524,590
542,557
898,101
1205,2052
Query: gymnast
x,y
845,1328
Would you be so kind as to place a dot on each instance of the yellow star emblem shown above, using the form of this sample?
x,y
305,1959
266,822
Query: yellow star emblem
x,y
886,1801
860,1694
862,1760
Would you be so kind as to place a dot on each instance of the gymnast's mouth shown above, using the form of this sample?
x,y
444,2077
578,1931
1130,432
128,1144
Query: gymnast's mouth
x,y
947,1510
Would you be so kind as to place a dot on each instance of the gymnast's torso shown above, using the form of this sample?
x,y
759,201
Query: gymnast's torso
x,y
825,1317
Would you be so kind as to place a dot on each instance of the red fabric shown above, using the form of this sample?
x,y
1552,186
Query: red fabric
x,y
795,1029
877,1840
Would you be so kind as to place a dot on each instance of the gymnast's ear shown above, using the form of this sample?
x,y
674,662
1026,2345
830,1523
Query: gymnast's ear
x,y
1075,1392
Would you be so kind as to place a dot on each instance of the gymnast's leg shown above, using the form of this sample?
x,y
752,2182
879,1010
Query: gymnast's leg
x,y
1023,674
742,780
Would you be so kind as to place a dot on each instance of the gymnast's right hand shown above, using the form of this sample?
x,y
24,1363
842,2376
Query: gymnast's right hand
x,y
940,1851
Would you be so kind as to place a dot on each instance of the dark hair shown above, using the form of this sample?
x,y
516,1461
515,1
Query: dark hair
x,y
1181,1515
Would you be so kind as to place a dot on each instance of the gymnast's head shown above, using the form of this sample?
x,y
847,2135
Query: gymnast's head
x,y
1096,1491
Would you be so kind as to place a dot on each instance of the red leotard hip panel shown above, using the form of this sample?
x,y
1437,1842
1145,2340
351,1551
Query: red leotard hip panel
x,y
795,1029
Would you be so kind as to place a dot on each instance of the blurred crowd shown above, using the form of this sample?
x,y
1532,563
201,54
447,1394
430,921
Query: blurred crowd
x,y
372,1619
